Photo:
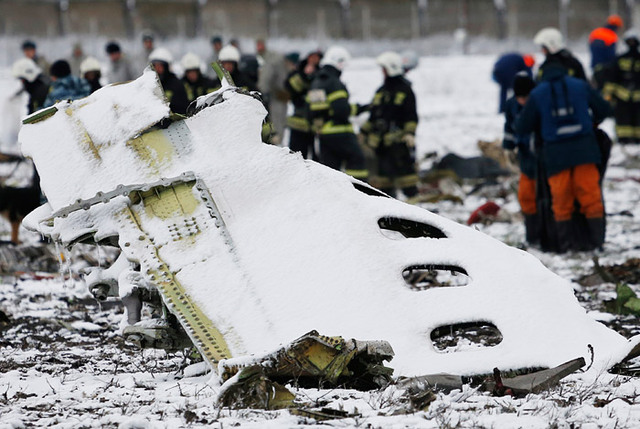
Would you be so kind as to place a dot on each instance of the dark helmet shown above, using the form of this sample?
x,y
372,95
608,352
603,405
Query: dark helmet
x,y
112,48
28,44
60,69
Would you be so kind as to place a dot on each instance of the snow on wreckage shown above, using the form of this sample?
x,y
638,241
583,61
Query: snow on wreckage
x,y
246,246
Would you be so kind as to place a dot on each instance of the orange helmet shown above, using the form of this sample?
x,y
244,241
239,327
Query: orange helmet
x,y
614,20
529,61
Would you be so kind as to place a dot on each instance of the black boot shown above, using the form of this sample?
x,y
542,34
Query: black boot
x,y
564,231
532,229
596,231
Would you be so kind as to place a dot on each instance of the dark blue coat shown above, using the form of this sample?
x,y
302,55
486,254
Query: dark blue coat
x,y
564,110
67,88
524,142
602,44
505,70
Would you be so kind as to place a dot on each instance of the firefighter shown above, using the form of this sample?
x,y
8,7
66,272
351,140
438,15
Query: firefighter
x,y
91,71
64,85
564,109
525,145
505,70
602,44
301,137
229,57
391,128
552,43
33,82
195,83
161,59
622,89
329,112
30,51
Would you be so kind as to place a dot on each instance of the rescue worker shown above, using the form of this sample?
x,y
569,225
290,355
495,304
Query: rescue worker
x,y
525,145
391,128
173,88
505,70
271,76
33,82
329,111
552,44
91,71
64,85
30,51
77,56
602,44
120,69
216,46
148,46
564,110
622,89
229,58
301,137
195,83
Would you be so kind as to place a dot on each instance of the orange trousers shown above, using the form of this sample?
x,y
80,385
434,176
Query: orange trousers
x,y
527,194
576,183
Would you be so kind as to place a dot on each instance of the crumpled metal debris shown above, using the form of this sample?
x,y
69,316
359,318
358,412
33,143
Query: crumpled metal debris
x,y
311,360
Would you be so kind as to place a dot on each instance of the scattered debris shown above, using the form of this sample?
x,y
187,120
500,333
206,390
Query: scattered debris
x,y
531,383
627,272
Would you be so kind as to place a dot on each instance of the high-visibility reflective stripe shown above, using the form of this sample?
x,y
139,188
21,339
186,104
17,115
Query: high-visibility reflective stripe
x,y
330,128
297,123
624,131
336,95
319,106
410,127
509,137
297,83
358,174
408,180
569,129
354,109
400,96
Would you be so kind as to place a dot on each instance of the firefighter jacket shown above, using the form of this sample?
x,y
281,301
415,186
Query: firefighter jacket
x,y
175,93
393,113
602,44
242,80
297,85
564,110
37,91
624,79
328,99
564,59
200,87
525,143
67,88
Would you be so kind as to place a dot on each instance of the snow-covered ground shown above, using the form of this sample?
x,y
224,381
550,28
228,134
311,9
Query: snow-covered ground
x,y
62,364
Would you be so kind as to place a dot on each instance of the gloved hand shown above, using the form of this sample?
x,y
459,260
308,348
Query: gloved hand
x,y
409,140
392,137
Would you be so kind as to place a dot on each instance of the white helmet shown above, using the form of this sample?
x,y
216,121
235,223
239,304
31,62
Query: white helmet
x,y
391,62
551,38
161,54
190,61
229,53
89,64
26,68
409,60
336,56
631,34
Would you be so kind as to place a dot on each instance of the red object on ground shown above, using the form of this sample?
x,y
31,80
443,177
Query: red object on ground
x,y
487,209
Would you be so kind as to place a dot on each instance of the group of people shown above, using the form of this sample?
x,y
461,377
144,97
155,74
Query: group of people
x,y
553,120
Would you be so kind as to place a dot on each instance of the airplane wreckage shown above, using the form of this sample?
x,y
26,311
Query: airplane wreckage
x,y
241,247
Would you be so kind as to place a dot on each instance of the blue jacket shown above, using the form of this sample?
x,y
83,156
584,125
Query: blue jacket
x,y
505,70
67,88
602,43
524,142
564,110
